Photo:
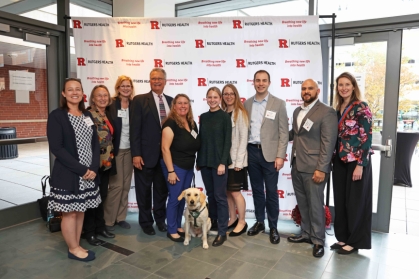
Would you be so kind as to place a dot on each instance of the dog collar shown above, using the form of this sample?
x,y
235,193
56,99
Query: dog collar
x,y
195,214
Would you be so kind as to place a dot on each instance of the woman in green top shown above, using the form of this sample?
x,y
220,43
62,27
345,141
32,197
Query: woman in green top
x,y
213,159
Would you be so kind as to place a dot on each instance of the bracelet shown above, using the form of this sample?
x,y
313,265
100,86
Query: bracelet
x,y
171,171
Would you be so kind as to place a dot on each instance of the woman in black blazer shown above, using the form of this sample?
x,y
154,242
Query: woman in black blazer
x,y
72,138
116,204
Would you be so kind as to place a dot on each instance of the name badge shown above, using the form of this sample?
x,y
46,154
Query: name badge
x,y
122,113
270,114
88,121
307,125
194,134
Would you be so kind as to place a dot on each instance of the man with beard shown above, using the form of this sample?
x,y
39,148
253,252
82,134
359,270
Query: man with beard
x,y
314,132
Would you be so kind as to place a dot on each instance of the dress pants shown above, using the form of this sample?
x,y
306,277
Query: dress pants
x,y
150,185
353,204
175,208
216,187
263,175
116,204
310,199
93,217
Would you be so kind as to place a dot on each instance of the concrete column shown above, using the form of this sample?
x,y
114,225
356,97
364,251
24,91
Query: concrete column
x,y
143,8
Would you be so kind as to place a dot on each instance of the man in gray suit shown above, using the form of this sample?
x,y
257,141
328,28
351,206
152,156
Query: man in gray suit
x,y
267,147
314,132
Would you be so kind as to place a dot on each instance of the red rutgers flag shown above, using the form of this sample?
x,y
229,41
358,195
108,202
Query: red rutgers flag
x,y
198,53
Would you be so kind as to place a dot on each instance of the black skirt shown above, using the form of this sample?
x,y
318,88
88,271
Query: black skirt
x,y
237,180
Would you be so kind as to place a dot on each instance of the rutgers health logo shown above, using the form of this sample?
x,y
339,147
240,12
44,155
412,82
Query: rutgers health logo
x,y
283,43
159,63
83,61
202,43
286,82
121,43
238,24
205,82
241,63
78,24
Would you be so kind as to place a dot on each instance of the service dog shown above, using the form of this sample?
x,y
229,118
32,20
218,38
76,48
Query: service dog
x,y
197,222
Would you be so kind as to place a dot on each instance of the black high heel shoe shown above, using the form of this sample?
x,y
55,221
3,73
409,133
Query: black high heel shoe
x,y
238,233
234,224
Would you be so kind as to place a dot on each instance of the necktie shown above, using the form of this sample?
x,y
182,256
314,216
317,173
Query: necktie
x,y
162,109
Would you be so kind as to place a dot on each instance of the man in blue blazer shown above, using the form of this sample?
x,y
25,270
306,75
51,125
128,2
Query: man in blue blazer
x,y
148,111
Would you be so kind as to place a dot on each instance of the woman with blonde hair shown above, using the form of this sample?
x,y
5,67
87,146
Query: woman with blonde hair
x,y
94,222
180,142
116,205
237,171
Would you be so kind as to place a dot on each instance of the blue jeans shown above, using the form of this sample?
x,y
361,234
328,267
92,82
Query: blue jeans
x,y
216,187
175,208
263,175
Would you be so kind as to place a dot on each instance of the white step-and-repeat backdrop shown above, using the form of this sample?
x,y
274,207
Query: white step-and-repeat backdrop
x,y
198,53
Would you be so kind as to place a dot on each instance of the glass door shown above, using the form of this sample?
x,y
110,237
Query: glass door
x,y
374,59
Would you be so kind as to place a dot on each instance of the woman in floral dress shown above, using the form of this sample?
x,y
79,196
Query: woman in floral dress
x,y
352,173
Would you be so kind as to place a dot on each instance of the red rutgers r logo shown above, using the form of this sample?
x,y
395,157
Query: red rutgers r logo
x,y
285,82
158,63
280,194
283,43
154,24
76,23
199,43
242,100
85,98
240,63
237,24
119,43
202,82
80,61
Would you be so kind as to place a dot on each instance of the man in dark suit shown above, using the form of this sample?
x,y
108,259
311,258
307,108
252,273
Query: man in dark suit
x,y
148,111
314,132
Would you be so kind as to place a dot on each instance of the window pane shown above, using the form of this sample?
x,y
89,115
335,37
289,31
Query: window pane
x,y
354,10
289,8
23,114
40,10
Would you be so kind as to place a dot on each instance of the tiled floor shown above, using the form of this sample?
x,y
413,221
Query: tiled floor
x,y
405,204
20,178
30,251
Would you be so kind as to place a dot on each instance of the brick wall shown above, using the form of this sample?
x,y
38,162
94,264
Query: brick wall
x,y
37,109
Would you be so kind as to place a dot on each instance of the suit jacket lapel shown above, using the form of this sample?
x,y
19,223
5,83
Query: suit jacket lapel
x,y
251,100
312,110
153,107
295,124
270,103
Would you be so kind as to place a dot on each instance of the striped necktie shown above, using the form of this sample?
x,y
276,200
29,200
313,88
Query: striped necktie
x,y
162,109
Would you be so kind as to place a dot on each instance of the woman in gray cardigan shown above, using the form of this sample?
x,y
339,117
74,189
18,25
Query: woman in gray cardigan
x,y
237,171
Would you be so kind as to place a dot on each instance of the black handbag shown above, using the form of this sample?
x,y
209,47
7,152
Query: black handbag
x,y
43,202
54,220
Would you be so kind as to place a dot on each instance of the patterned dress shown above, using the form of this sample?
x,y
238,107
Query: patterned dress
x,y
88,195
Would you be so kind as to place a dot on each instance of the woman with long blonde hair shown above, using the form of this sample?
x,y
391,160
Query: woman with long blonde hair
x,y
116,204
237,170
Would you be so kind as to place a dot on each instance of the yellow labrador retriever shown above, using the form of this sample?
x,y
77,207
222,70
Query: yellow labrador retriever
x,y
197,222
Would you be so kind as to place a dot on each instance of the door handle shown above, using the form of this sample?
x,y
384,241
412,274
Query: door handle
x,y
387,148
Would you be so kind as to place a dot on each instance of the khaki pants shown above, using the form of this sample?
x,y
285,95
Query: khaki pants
x,y
116,204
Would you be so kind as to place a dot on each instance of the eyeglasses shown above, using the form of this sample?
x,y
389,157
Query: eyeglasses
x,y
157,79
229,94
125,86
